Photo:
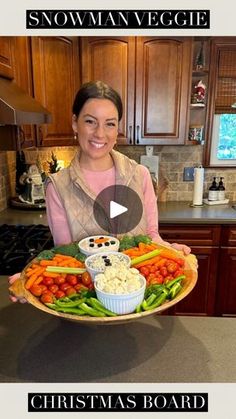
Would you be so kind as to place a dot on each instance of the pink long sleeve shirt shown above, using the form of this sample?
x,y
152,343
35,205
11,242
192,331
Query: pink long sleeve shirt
x,y
98,181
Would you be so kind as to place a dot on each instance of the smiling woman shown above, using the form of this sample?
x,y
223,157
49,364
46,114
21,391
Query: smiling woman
x,y
72,192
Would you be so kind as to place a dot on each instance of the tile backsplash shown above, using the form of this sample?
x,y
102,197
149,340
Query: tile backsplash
x,y
172,160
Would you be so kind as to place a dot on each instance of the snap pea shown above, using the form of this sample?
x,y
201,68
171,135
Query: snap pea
x,y
160,300
173,281
154,288
70,310
70,303
100,307
138,308
175,289
150,300
91,311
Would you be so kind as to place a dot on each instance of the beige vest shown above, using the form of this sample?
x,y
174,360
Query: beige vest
x,y
78,199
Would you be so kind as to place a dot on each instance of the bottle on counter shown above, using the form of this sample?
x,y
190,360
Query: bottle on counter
x,y
221,190
213,191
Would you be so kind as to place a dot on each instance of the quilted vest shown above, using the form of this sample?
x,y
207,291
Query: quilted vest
x,y
78,199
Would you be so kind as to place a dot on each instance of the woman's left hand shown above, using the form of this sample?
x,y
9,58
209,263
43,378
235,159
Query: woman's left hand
x,y
181,247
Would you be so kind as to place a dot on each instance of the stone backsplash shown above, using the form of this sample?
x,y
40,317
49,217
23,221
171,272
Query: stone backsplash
x,y
172,160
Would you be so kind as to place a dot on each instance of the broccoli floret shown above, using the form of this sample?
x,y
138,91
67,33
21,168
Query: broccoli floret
x,y
142,238
126,242
46,254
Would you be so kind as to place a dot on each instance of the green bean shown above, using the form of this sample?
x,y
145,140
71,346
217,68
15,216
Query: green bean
x,y
100,307
70,303
173,281
175,289
159,301
91,311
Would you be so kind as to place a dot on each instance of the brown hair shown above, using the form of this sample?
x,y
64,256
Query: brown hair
x,y
96,90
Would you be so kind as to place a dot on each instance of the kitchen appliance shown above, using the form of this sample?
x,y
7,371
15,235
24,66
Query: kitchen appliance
x,y
19,244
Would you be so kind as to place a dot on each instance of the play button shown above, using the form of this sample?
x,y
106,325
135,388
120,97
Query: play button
x,y
118,209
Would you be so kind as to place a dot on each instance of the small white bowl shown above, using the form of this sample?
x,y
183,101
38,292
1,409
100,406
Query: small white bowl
x,y
93,271
87,251
122,303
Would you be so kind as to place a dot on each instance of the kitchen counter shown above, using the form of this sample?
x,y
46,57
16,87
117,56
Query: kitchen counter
x,y
37,347
169,212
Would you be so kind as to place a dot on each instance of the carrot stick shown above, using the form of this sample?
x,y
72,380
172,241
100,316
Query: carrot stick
x,y
39,279
44,262
33,278
148,262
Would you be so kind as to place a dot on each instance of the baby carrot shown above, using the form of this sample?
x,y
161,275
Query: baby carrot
x,y
33,278
44,262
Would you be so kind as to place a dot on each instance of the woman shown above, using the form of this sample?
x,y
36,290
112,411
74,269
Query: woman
x,y
71,192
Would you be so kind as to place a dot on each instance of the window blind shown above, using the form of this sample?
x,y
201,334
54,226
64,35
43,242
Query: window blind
x,y
226,82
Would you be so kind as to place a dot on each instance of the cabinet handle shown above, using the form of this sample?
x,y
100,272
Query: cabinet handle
x,y
130,134
40,136
138,131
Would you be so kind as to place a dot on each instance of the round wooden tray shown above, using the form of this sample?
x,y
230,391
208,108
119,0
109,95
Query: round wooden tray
x,y
18,289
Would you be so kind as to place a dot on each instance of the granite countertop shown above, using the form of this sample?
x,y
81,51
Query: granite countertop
x,y
169,212
38,347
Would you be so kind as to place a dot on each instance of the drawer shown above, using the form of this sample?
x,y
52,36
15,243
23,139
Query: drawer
x,y
228,236
192,235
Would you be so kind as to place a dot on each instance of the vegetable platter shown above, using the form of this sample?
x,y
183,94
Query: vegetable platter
x,y
56,281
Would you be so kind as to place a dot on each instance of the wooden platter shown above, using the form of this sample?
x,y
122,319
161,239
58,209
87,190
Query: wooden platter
x,y
18,289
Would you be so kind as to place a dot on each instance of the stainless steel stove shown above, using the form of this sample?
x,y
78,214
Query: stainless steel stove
x,y
21,243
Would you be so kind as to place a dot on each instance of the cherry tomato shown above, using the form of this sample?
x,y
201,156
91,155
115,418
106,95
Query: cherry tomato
x,y
63,287
151,276
180,262
72,279
86,279
70,290
178,273
36,290
157,280
80,287
171,267
44,288
48,281
144,271
168,278
60,294
163,271
153,269
46,297
59,280
53,288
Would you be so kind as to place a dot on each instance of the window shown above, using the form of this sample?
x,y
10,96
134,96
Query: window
x,y
223,147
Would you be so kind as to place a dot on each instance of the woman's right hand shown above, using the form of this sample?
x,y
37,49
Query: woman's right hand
x,y
12,297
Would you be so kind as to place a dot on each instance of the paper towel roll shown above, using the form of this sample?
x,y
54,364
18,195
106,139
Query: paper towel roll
x,y
198,185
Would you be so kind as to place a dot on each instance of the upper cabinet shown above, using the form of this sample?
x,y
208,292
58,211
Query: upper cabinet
x,y
112,61
56,79
152,76
7,57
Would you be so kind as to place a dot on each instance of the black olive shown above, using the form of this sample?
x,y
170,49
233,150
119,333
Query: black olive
x,y
101,237
104,257
113,242
99,244
91,244
91,240
107,244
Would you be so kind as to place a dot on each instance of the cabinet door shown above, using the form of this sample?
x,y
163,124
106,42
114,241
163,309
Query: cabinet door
x,y
6,57
23,77
201,300
55,63
163,70
111,60
226,283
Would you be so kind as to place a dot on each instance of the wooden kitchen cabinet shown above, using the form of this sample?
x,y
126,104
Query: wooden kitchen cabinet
x,y
56,79
226,280
152,76
204,242
24,79
7,56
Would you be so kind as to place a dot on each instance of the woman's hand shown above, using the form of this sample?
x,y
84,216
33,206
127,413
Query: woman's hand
x,y
181,247
14,299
